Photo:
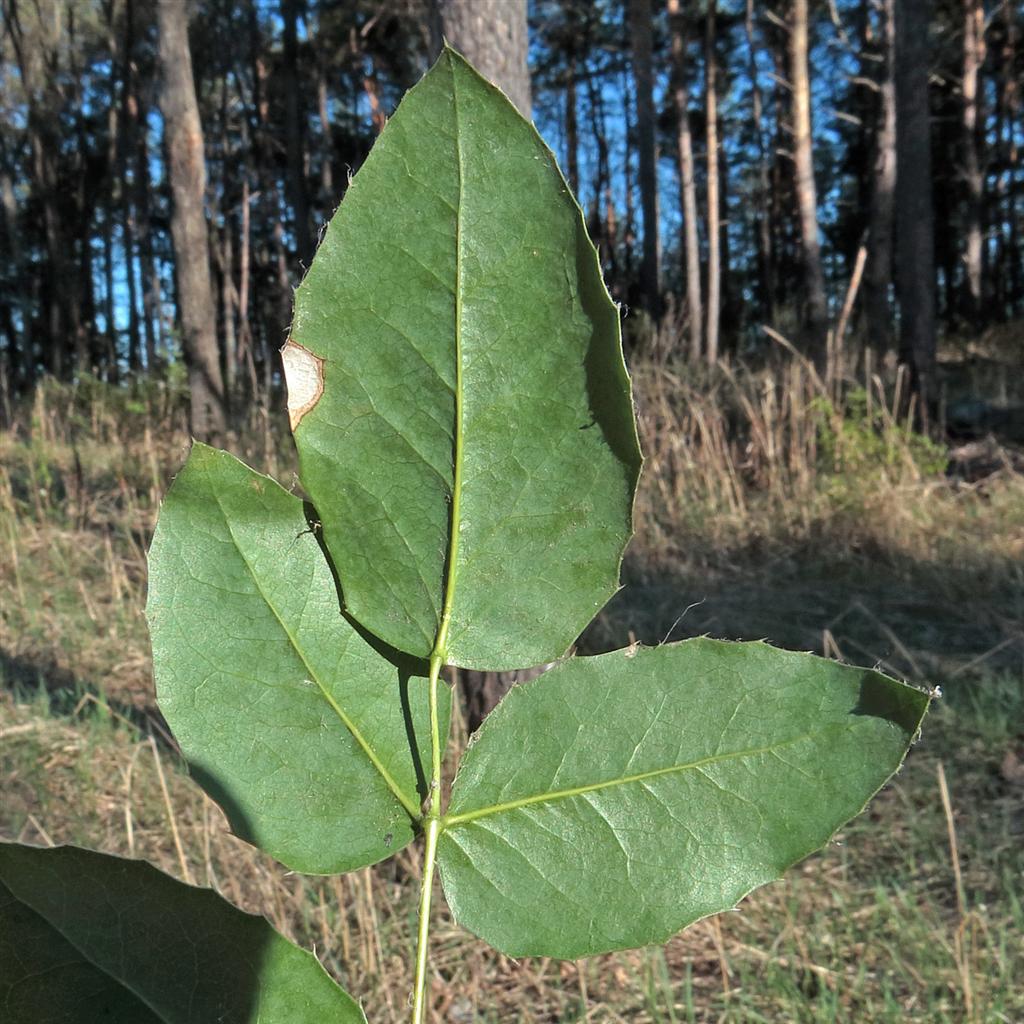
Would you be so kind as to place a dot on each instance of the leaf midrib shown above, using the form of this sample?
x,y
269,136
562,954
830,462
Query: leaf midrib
x,y
454,820
448,600
364,744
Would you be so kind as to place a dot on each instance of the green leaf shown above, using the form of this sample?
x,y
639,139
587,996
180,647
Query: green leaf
x,y
300,729
617,799
87,937
473,450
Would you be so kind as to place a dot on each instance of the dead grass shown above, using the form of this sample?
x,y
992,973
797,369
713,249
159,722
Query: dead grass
x,y
874,555
870,929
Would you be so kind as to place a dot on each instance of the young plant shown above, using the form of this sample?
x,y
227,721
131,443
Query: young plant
x,y
467,441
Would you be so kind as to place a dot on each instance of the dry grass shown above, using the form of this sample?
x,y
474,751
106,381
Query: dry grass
x,y
751,506
871,929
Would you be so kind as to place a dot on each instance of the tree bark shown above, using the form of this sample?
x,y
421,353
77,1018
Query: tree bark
x,y
187,173
327,196
572,133
127,129
1011,105
687,181
143,213
604,226
816,307
915,229
764,201
878,277
974,175
297,195
714,221
21,352
640,17
492,36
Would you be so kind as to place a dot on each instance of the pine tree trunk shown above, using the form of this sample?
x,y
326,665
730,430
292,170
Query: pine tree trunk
x,y
147,265
640,17
572,132
493,38
297,196
764,201
714,224
21,352
687,182
187,173
915,228
1011,102
816,307
327,196
604,226
878,276
974,175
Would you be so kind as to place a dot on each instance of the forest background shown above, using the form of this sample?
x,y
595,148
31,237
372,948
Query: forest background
x,y
810,213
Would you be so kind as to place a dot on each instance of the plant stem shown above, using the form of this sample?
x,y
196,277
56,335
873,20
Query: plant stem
x,y
433,801
429,856
432,812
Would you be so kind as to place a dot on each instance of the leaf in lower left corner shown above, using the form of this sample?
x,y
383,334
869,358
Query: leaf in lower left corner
x,y
87,937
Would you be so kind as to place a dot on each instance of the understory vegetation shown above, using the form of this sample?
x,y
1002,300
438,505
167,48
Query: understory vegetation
x,y
773,505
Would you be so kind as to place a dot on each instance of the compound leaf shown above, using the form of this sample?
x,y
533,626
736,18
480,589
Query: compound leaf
x,y
310,738
619,798
86,937
457,390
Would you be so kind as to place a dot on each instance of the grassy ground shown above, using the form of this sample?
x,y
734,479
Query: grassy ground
x,y
765,513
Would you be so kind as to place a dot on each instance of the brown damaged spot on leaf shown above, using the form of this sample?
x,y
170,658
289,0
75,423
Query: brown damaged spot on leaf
x,y
304,376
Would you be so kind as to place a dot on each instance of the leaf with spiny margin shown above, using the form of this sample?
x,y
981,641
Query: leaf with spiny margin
x,y
619,798
474,440
87,937
313,741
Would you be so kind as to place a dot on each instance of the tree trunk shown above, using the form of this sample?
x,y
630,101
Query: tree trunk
x,y
294,135
729,317
878,277
572,133
604,227
714,223
640,17
147,263
816,307
763,203
21,351
1011,105
783,215
629,213
974,175
915,229
327,196
187,173
129,128
687,181
493,38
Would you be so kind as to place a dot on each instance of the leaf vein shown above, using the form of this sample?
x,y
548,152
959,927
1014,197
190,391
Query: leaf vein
x,y
453,820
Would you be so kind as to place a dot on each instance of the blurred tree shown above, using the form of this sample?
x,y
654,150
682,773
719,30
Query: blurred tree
x,y
187,173
687,178
915,236
878,276
973,171
641,29
815,303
